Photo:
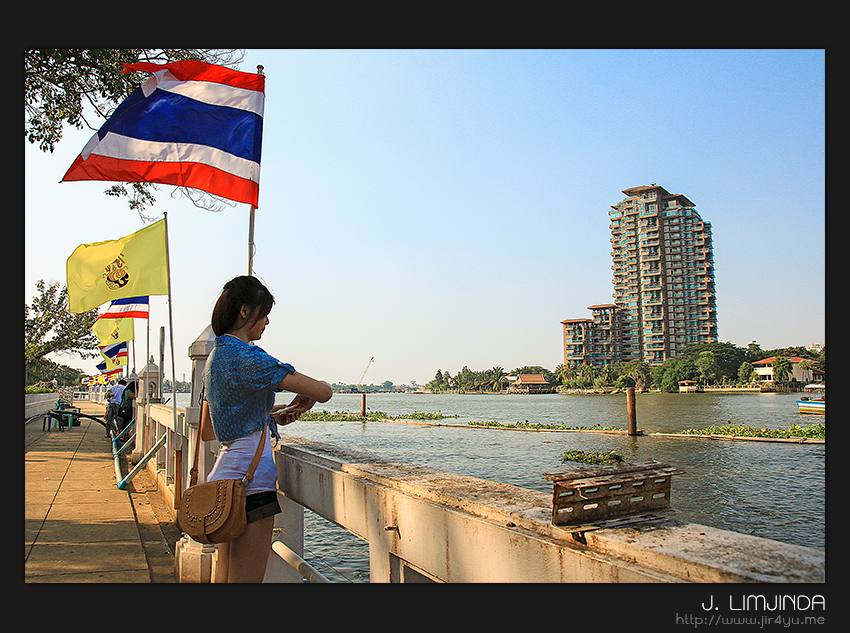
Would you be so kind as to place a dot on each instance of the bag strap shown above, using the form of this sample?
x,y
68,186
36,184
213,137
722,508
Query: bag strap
x,y
250,474
193,479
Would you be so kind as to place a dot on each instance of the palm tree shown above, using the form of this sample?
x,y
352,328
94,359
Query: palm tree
x,y
494,378
807,365
781,369
588,373
464,379
605,374
564,373
639,372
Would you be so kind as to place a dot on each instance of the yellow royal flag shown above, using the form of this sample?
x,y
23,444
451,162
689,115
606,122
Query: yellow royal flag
x,y
109,331
132,266
112,363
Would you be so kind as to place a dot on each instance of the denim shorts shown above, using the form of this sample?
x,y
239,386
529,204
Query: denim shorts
x,y
260,505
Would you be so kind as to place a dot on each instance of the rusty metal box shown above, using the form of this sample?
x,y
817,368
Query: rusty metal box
x,y
603,492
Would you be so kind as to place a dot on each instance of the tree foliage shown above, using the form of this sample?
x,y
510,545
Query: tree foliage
x,y
708,363
81,87
781,369
46,371
50,328
747,372
492,379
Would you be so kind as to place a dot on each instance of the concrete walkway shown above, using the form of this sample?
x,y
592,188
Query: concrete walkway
x,y
78,526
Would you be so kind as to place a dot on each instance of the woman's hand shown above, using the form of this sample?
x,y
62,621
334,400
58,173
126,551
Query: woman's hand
x,y
287,413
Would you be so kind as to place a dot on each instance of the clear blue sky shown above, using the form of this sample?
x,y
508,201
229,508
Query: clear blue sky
x,y
442,208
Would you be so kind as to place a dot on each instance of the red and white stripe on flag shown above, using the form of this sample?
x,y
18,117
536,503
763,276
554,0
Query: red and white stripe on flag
x,y
130,307
190,124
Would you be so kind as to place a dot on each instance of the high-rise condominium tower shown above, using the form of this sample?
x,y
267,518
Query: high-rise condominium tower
x,y
664,297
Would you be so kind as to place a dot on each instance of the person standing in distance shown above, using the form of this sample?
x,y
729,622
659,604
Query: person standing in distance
x,y
116,392
240,382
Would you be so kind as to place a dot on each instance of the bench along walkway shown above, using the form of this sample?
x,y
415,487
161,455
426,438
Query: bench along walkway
x,y
78,526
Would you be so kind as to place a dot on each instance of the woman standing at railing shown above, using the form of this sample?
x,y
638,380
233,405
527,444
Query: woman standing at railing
x,y
240,381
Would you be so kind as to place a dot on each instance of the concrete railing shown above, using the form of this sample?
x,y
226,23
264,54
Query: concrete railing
x,y
428,525
36,404
170,467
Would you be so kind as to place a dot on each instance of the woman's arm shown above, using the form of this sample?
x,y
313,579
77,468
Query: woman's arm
x,y
316,390
308,390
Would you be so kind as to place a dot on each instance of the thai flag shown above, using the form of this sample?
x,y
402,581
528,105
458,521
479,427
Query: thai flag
x,y
190,124
115,351
106,371
114,356
131,307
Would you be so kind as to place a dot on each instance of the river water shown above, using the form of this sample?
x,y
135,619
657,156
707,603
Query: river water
x,y
767,489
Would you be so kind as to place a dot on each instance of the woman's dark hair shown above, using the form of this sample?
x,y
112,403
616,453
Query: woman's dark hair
x,y
239,291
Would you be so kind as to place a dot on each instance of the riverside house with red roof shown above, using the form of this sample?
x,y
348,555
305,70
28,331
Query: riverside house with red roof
x,y
531,383
764,368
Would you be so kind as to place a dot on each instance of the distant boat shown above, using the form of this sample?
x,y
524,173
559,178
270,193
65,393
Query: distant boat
x,y
817,405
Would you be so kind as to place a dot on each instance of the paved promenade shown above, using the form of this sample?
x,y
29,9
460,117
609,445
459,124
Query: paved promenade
x,y
78,526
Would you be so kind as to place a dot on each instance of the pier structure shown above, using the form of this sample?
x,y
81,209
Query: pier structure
x,y
427,525
78,526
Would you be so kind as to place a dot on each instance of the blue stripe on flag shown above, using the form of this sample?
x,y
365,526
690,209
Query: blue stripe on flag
x,y
114,350
128,300
168,117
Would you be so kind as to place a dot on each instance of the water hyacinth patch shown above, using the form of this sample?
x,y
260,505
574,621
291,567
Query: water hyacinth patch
x,y
592,457
540,425
815,431
337,416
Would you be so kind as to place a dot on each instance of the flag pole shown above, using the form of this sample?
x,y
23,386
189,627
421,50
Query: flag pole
x,y
251,219
147,356
251,241
170,331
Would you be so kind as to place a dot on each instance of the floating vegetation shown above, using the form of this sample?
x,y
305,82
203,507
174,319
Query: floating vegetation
x,y
338,416
592,457
540,425
815,431
424,416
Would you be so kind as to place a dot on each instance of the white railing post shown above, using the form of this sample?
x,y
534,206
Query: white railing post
x,y
199,351
289,530
193,561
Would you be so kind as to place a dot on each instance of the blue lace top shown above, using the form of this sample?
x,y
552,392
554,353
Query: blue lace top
x,y
240,382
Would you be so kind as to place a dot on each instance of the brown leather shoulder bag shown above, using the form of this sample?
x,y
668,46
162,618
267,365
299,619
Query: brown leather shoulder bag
x,y
214,511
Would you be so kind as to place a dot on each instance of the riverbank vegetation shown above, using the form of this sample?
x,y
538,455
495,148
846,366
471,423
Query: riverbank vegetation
x,y
815,431
375,416
717,364
540,426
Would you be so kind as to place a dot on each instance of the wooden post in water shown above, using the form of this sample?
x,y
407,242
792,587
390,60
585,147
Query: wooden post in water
x,y
630,410
363,404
